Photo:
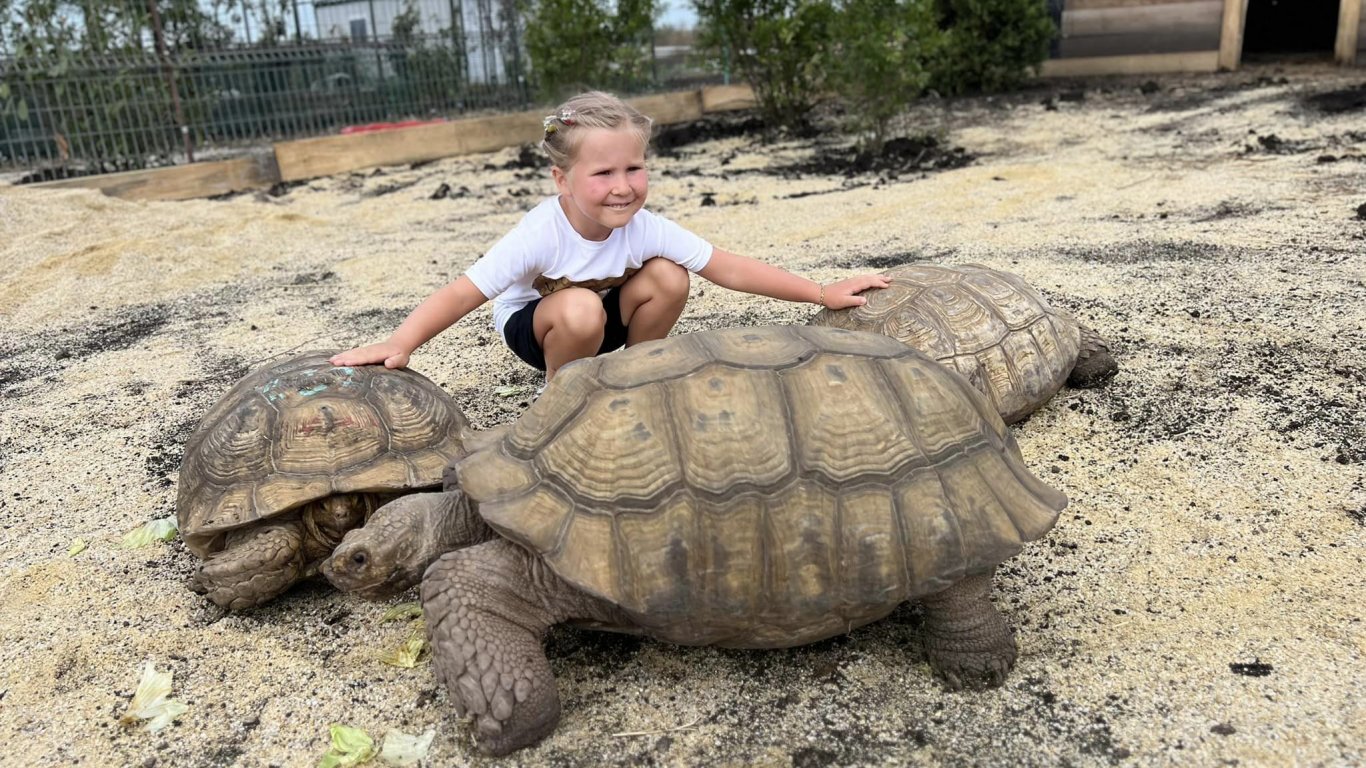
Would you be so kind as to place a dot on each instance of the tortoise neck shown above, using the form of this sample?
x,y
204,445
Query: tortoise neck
x,y
463,526
327,520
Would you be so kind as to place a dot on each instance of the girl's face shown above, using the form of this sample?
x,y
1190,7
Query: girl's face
x,y
607,183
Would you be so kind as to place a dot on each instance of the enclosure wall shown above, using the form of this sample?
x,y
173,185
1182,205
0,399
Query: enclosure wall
x,y
1091,28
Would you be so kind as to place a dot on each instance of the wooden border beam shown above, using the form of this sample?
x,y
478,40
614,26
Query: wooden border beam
x,y
326,155
720,98
1141,20
1231,34
1189,40
1349,26
180,182
1141,64
1089,5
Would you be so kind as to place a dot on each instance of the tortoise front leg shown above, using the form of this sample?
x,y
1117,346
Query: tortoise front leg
x,y
487,608
968,642
258,564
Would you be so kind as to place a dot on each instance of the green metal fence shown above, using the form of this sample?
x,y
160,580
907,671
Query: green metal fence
x,y
105,113
169,94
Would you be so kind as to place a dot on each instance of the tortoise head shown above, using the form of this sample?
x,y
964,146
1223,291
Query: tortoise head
x,y
389,553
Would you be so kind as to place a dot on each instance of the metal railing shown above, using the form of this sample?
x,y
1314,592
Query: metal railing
x,y
168,97
118,112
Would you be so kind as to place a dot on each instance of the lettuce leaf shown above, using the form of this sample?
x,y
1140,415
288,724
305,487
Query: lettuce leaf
x,y
150,701
350,746
164,529
403,750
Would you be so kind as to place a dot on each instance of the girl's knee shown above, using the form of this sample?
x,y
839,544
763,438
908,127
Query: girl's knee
x,y
666,277
575,311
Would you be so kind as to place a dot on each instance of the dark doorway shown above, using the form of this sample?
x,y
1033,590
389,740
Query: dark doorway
x,y
1290,26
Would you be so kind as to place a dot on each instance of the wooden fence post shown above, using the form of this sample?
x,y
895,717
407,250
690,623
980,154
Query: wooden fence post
x,y
168,72
1349,23
1231,34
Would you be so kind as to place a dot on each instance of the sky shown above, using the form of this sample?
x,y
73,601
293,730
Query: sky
x,y
678,13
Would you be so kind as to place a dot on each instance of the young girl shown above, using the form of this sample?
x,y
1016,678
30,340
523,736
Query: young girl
x,y
590,269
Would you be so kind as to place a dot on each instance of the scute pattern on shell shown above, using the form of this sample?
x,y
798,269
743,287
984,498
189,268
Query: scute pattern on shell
x,y
990,326
767,485
302,429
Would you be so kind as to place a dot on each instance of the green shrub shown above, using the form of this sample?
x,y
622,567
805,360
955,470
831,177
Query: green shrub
x,y
579,44
990,44
778,46
882,53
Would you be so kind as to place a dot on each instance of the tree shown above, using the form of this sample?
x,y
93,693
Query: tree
x,y
882,55
778,46
990,44
580,44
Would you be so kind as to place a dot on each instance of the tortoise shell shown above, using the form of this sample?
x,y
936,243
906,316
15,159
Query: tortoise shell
x,y
990,326
760,486
302,429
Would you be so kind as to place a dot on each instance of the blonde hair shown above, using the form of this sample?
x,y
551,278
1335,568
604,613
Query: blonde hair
x,y
595,109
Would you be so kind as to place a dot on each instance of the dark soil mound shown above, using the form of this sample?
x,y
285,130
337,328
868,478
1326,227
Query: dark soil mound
x,y
668,139
904,154
1334,102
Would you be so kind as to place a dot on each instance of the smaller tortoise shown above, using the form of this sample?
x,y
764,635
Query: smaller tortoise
x,y
296,454
991,326
747,488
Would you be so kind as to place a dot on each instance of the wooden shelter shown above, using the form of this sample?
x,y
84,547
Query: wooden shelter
x,y
1142,36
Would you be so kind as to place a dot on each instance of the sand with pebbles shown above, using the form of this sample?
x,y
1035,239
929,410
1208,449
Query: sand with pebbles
x,y
1199,602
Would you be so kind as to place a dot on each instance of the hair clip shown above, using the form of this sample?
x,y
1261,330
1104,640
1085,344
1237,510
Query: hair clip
x,y
565,116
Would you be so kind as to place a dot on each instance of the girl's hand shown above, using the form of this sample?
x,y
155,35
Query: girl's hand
x,y
392,355
842,295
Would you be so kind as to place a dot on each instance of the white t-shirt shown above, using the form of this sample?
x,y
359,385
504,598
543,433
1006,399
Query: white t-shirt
x,y
544,253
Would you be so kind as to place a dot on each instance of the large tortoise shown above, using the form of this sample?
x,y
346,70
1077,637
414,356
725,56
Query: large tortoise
x,y
750,487
296,454
991,326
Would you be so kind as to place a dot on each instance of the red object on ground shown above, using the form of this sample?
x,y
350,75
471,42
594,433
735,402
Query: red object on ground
x,y
371,127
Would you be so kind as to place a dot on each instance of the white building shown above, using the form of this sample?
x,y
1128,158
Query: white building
x,y
483,23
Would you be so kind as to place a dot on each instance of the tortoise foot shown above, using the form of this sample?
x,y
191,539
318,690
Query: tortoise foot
x,y
957,669
968,642
258,565
486,647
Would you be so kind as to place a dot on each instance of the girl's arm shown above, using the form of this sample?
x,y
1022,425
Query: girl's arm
x,y
740,273
440,311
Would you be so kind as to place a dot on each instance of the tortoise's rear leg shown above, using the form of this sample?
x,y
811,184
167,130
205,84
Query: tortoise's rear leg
x,y
486,616
968,642
1095,365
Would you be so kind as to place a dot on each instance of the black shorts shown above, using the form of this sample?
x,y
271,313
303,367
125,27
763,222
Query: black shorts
x,y
520,332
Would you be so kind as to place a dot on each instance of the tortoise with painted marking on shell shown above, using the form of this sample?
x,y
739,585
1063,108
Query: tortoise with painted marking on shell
x,y
296,454
748,487
990,326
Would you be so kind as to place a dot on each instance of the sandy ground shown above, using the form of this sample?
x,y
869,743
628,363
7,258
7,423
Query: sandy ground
x,y
1199,603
